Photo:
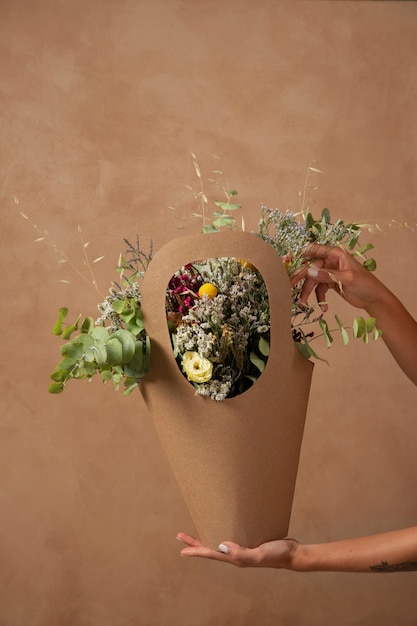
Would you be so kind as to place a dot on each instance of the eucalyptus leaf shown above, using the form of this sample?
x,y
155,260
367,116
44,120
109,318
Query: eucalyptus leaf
x,y
90,369
100,352
323,325
370,324
223,221
366,248
117,377
226,206
257,361
73,349
130,388
263,346
377,333
127,315
70,329
60,375
118,305
99,333
325,214
87,325
134,328
137,361
66,364
62,314
114,351
370,265
305,349
139,319
56,388
359,327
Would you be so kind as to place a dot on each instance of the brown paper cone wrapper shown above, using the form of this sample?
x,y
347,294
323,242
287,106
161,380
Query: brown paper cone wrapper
x,y
235,460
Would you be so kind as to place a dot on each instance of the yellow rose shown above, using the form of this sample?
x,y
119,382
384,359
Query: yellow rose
x,y
197,368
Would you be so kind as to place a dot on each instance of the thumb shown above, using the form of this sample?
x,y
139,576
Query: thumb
x,y
228,547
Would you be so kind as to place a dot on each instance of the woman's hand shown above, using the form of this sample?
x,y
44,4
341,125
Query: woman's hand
x,y
335,268
395,551
277,554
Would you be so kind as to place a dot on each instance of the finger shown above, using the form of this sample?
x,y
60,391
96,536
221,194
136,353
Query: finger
x,y
318,251
189,540
321,291
309,285
223,553
304,271
206,553
298,275
227,552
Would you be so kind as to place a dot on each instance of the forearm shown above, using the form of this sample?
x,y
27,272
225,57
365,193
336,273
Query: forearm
x,y
399,331
388,552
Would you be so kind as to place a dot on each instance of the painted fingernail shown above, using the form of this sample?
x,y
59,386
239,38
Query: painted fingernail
x,y
313,272
223,548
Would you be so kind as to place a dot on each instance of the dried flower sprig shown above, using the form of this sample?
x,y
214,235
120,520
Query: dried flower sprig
x,y
44,236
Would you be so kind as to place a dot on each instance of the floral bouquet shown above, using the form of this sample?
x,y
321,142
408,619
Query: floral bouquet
x,y
217,311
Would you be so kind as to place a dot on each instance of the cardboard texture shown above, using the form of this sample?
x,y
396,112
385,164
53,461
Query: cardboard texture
x,y
236,460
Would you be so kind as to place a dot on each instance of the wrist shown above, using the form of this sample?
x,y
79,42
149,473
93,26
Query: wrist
x,y
383,303
304,558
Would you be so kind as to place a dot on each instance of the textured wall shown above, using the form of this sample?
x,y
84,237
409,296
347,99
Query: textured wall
x,y
101,104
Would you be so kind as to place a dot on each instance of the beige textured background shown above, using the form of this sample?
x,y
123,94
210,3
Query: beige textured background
x,y
101,104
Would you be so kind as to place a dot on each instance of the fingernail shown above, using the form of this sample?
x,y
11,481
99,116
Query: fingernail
x,y
313,272
179,539
223,548
324,306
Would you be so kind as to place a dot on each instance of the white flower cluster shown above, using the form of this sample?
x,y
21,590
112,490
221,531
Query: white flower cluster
x,y
196,338
226,328
109,315
216,389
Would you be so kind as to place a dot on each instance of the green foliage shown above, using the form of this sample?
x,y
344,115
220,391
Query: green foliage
x,y
361,328
62,314
116,346
259,358
223,218
121,355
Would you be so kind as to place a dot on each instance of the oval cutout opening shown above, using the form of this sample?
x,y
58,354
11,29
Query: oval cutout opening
x,y
218,318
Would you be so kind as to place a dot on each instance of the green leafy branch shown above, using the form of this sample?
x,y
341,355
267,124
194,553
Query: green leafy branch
x,y
362,328
122,355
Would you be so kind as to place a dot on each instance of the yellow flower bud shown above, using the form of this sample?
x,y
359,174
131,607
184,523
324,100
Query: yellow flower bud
x,y
208,289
